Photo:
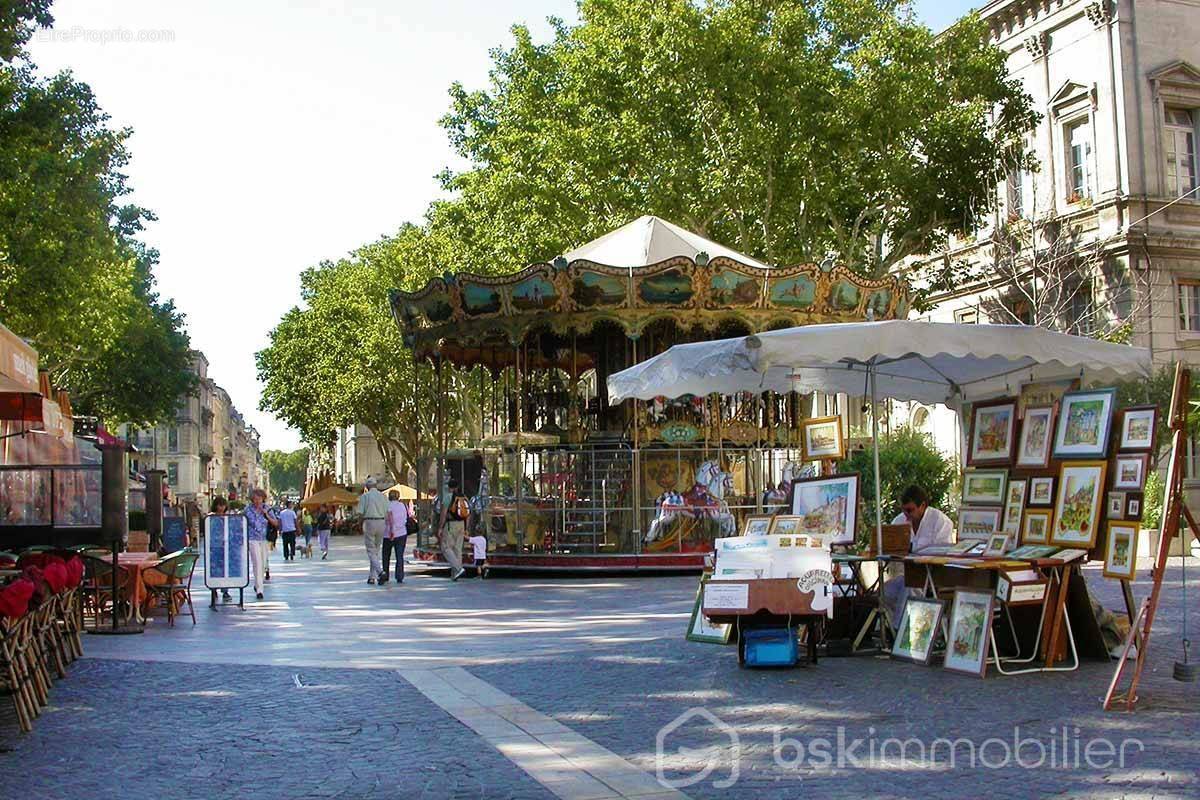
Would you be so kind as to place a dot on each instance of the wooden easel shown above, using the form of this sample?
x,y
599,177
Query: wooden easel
x,y
1173,511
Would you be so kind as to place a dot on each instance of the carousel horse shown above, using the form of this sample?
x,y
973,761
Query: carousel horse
x,y
705,500
790,473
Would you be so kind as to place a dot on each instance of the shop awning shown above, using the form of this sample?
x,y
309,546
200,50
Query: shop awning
x,y
928,362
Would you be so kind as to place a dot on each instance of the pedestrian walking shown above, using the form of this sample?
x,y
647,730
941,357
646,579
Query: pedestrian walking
x,y
479,552
395,538
287,530
258,521
373,508
221,506
324,528
306,519
453,524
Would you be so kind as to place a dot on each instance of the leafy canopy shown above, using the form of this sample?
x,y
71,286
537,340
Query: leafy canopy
x,y
287,470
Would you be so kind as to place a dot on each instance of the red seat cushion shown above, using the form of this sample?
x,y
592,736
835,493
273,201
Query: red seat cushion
x,y
14,598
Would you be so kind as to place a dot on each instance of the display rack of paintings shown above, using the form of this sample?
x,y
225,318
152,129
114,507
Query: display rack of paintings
x,y
970,623
822,439
1084,424
828,506
1129,471
919,626
993,432
1035,526
1120,555
1078,507
1037,435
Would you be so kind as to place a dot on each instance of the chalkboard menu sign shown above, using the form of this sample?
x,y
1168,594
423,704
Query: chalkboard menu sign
x,y
174,534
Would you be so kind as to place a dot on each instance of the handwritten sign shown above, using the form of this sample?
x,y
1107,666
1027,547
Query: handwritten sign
x,y
726,595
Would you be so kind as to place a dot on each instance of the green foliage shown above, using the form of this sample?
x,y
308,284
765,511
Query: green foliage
x,y
906,457
287,469
72,277
1152,501
786,130
1156,391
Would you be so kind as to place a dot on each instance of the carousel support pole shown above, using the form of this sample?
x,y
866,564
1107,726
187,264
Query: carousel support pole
x,y
875,449
518,477
637,467
417,439
441,431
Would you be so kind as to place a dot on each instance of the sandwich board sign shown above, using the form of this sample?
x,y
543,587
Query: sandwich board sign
x,y
226,554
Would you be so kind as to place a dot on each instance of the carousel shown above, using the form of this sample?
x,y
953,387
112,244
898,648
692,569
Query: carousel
x,y
561,477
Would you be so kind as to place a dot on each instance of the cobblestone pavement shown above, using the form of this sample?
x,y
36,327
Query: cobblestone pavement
x,y
215,711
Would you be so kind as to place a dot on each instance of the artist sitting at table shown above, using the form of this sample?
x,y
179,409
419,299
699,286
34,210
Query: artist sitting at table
x,y
929,527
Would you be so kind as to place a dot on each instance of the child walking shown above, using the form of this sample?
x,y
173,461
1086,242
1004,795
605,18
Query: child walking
x,y
479,545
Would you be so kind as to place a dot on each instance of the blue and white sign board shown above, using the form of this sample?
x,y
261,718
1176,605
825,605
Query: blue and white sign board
x,y
226,552
174,534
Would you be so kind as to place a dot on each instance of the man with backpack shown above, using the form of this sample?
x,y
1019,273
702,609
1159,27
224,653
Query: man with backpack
x,y
453,525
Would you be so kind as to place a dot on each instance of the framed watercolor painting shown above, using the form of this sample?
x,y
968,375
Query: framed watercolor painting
x,y
1120,554
984,486
757,525
823,439
1133,506
700,629
1014,503
1084,424
1138,424
977,523
1077,508
1037,434
970,624
828,506
997,544
1129,472
919,626
1116,505
786,525
1041,491
993,432
1035,526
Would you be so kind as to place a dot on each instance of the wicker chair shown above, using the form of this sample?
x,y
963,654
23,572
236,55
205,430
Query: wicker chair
x,y
176,587
14,672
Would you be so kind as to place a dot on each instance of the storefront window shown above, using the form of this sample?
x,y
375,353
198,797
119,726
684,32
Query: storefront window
x,y
25,497
77,497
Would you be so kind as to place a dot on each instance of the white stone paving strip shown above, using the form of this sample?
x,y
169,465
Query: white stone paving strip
x,y
571,766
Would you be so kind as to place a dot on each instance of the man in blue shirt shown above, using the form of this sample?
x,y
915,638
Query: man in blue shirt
x,y
258,520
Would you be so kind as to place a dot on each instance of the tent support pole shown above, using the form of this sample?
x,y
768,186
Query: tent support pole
x,y
875,448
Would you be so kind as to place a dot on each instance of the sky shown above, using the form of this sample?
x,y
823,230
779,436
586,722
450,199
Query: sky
x,y
273,134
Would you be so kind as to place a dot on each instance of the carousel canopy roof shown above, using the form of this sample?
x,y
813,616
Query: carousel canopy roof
x,y
649,240
640,273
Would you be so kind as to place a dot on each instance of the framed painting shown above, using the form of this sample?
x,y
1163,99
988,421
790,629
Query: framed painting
x,y
975,522
1014,503
1129,472
970,624
1035,526
828,507
993,432
700,629
1120,554
1138,425
919,625
1049,393
984,486
822,439
1084,424
786,525
757,525
1041,491
1116,505
1037,434
996,545
1133,506
1077,509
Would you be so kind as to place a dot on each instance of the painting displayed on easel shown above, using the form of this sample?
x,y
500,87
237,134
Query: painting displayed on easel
x,y
970,623
828,506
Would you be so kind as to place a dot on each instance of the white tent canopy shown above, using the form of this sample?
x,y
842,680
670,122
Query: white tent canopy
x,y
649,240
928,362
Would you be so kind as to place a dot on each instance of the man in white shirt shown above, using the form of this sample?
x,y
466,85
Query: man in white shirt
x,y
929,527
395,538
373,508
287,530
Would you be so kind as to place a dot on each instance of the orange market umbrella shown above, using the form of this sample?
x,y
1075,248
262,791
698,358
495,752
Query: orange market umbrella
x,y
332,495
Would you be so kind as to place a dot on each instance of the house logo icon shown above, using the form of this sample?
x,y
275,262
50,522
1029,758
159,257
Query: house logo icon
x,y
702,761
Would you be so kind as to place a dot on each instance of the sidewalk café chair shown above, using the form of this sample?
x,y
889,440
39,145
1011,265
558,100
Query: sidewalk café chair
x,y
96,588
14,672
8,560
177,569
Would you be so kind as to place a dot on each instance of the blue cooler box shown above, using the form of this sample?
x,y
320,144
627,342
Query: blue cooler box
x,y
770,647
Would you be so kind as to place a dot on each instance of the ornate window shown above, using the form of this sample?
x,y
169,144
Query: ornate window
x,y
1189,306
1179,134
1078,138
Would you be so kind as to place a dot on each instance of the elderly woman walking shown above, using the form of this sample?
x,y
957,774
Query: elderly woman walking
x,y
258,520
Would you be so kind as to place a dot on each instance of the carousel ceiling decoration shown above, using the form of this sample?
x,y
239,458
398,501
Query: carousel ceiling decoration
x,y
694,288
